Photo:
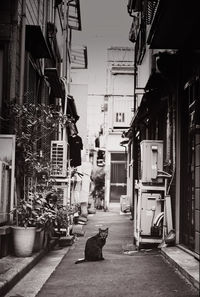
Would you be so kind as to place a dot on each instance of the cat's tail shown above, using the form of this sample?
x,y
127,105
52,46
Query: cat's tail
x,y
80,261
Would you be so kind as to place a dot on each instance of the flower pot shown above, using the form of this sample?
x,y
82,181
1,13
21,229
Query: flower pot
x,y
23,240
39,240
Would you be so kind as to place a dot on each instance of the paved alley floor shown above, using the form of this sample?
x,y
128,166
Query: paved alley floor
x,y
123,273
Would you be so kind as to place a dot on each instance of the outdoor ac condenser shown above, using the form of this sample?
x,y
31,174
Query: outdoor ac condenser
x,y
151,160
58,158
150,208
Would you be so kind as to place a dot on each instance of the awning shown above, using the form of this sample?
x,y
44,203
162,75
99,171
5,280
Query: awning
x,y
156,90
36,43
175,25
157,82
55,82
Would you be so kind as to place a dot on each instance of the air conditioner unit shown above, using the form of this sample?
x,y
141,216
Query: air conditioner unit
x,y
151,160
150,209
4,191
58,158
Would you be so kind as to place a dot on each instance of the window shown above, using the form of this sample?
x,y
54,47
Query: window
x,y
120,117
121,111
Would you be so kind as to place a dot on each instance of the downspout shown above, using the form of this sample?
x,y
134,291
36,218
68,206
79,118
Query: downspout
x,y
66,77
65,80
168,138
134,91
134,155
22,52
126,165
174,138
69,65
65,40
134,169
68,39
125,151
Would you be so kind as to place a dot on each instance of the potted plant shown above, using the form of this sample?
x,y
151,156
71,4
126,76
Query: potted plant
x,y
47,215
24,229
62,219
63,223
31,124
34,218
42,216
98,191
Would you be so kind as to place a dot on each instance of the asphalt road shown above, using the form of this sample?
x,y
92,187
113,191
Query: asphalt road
x,y
124,272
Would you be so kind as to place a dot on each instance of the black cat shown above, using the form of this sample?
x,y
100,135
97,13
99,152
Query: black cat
x,y
93,247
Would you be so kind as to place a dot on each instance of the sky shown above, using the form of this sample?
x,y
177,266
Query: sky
x,y
105,23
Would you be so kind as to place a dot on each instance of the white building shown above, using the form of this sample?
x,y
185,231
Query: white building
x,y
118,107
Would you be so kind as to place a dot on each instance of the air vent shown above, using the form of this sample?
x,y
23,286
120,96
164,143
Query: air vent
x,y
58,158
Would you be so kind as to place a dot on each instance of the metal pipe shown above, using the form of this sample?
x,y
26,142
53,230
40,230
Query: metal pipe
x,y
22,52
65,41
135,81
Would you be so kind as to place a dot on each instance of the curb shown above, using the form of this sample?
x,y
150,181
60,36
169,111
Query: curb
x,y
184,263
15,273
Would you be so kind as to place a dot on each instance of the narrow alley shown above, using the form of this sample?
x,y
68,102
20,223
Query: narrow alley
x,y
99,127
125,271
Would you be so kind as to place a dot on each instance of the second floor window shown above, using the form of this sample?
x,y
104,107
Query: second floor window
x,y
120,117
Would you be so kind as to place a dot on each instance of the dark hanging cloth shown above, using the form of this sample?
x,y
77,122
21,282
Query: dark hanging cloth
x,y
75,145
97,142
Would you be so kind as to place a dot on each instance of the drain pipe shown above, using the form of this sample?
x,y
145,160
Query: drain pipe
x,y
125,151
22,50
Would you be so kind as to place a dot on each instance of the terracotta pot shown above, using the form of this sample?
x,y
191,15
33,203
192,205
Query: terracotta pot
x,y
23,240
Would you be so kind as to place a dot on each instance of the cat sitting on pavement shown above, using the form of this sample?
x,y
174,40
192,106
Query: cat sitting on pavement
x,y
94,246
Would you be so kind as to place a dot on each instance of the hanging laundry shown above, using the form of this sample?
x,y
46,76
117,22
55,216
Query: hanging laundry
x,y
75,145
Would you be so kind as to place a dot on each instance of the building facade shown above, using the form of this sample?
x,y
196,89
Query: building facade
x,y
36,57
118,104
167,105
